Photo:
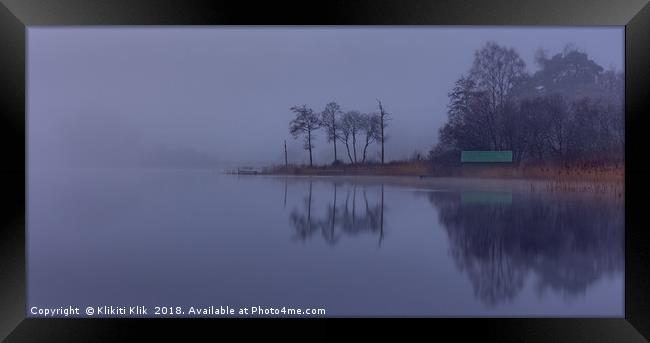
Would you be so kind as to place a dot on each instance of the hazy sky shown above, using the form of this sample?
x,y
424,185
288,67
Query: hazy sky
x,y
112,95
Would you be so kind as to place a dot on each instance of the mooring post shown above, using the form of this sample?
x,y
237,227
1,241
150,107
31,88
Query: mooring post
x,y
286,161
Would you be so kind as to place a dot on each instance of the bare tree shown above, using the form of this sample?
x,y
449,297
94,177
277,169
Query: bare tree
x,y
345,133
371,127
351,124
304,124
330,121
495,71
384,117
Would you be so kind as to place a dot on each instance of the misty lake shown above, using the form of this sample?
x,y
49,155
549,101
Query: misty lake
x,y
365,246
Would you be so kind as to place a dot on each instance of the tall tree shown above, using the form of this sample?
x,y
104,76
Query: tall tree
x,y
305,124
351,124
384,117
570,73
330,121
468,118
371,127
345,132
495,71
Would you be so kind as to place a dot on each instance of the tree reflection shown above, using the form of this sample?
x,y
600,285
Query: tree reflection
x,y
351,216
567,244
302,221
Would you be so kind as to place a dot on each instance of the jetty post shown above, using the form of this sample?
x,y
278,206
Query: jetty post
x,y
286,161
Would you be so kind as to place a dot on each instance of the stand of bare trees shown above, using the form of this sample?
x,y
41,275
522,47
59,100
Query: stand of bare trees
x,y
569,111
354,129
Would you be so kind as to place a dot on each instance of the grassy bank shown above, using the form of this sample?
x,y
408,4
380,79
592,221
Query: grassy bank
x,y
578,172
587,179
374,169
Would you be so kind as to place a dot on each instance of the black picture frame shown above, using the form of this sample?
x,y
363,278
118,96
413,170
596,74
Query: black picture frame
x,y
17,15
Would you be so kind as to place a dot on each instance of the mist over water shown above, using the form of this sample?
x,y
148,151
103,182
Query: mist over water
x,y
200,97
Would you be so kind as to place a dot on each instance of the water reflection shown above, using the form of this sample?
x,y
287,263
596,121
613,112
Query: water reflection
x,y
386,249
503,242
499,240
347,214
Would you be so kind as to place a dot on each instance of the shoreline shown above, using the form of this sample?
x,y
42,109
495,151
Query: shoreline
x,y
601,180
591,172
609,189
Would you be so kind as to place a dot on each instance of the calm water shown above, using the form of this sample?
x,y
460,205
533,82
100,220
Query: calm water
x,y
355,248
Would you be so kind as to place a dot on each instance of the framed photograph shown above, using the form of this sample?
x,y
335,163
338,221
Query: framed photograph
x,y
472,168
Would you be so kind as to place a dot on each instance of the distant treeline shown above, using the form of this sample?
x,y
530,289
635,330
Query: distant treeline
x,y
569,111
352,128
